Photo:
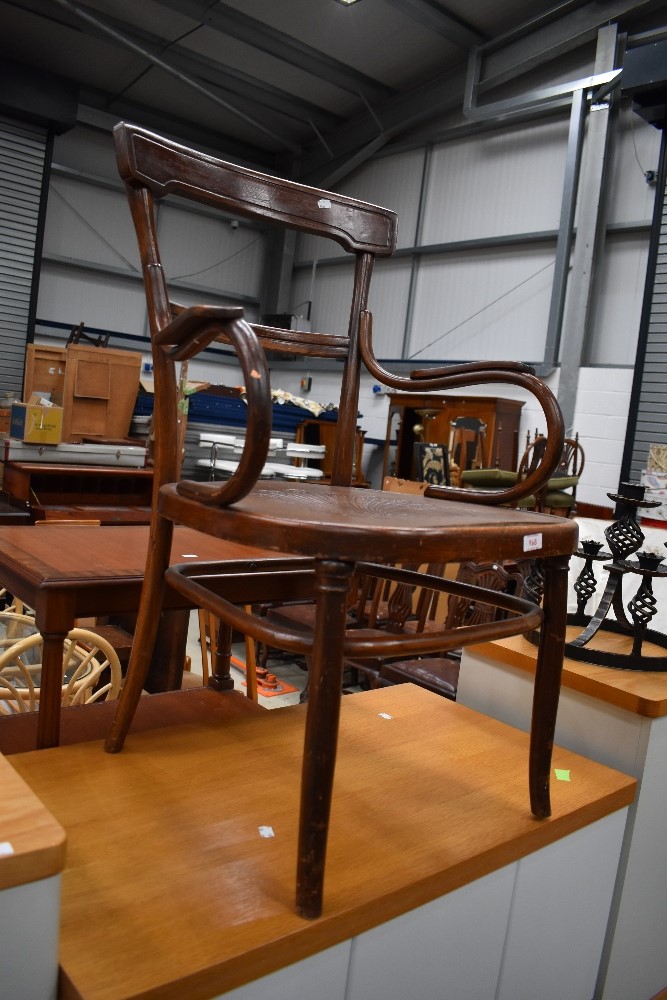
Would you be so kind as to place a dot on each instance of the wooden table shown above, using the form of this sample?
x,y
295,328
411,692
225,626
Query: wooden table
x,y
439,879
619,718
67,572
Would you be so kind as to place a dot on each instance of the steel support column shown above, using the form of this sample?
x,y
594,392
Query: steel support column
x,y
577,308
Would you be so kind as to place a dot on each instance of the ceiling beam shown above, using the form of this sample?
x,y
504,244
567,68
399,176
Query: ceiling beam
x,y
275,43
157,59
361,138
95,111
358,140
440,20
501,62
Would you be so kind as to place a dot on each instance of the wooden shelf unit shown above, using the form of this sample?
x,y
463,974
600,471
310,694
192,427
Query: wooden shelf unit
x,y
111,494
501,416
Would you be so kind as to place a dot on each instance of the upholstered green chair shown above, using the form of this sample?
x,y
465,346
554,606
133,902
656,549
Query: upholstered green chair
x,y
496,479
559,494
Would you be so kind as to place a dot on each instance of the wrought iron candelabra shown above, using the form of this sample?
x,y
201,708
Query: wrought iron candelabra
x,y
625,538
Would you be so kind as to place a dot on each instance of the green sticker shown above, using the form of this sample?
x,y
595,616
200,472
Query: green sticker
x,y
561,775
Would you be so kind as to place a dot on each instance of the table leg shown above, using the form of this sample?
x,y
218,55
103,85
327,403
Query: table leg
x,y
166,670
48,721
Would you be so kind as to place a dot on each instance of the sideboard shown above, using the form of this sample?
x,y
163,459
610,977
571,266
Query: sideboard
x,y
501,416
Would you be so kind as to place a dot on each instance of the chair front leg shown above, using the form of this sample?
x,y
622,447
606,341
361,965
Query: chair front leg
x,y
333,581
148,619
548,672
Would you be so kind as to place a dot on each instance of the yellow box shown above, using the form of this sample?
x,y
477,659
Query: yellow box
x,y
36,424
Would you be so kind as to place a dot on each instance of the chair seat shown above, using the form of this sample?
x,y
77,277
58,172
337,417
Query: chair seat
x,y
556,498
371,525
492,478
562,482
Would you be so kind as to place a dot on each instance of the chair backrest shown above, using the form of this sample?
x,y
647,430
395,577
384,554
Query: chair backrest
x,y
504,579
153,167
571,462
467,442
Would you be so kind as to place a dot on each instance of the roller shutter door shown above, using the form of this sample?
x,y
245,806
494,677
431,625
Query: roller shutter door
x,y
22,163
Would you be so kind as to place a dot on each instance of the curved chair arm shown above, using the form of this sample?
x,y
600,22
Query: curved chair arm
x,y
188,333
195,327
478,373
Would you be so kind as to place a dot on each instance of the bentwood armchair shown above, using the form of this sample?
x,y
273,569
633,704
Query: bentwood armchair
x,y
340,529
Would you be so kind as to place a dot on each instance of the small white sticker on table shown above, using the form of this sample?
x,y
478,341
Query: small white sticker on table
x,y
189,555
266,831
385,715
5,849
532,543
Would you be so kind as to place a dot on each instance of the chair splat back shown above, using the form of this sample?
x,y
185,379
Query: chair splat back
x,y
153,167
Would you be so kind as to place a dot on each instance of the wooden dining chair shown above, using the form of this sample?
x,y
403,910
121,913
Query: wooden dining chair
x,y
334,531
559,493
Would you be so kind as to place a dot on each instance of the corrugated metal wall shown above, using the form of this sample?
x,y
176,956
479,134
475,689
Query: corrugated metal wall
x,y
22,157
651,376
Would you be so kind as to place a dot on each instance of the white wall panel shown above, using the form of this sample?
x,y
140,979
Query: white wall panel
x,y
387,301
330,311
208,251
392,182
104,301
618,302
332,294
90,223
483,305
496,184
316,248
87,150
635,148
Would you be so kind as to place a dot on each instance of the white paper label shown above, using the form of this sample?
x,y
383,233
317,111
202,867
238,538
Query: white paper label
x,y
532,543
266,831
5,849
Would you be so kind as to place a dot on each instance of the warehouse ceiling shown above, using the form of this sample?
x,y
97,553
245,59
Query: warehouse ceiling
x,y
309,87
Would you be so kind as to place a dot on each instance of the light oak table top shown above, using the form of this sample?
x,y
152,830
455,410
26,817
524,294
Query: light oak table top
x,y
174,891
32,842
638,691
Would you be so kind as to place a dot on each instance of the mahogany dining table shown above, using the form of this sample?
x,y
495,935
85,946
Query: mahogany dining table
x,y
66,572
